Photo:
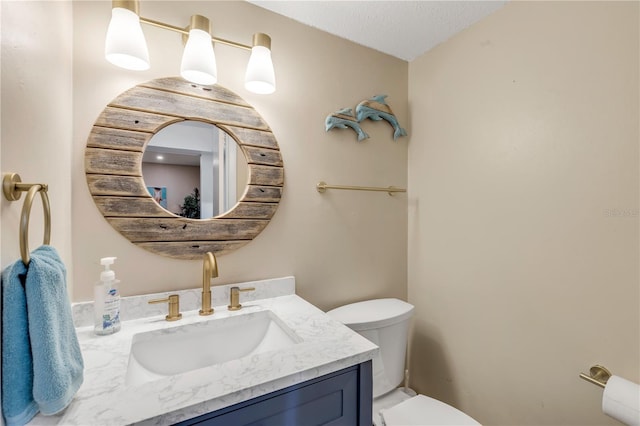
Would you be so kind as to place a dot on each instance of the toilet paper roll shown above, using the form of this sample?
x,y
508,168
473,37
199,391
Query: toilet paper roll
x,y
621,400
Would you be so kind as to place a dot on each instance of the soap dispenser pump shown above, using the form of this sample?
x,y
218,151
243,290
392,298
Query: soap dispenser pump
x,y
106,303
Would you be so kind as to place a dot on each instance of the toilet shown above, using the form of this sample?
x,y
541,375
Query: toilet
x,y
385,322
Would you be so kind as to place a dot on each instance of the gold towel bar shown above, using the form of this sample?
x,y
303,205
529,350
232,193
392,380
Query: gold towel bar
x,y
598,375
12,189
323,186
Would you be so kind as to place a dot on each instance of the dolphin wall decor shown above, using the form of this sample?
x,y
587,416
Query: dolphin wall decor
x,y
377,109
342,119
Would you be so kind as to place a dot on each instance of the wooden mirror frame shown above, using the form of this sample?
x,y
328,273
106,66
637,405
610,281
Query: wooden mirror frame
x,y
113,167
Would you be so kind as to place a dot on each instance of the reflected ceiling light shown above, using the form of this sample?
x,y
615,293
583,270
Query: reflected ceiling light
x,y
159,157
126,47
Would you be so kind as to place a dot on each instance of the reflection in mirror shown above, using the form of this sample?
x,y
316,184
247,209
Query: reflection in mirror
x,y
194,169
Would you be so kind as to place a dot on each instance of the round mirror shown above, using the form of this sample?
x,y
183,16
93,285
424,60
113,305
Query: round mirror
x,y
114,162
194,169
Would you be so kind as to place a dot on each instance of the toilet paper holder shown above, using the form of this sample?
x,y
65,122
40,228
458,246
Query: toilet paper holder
x,y
598,375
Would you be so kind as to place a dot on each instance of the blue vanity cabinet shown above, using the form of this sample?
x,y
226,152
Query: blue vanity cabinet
x,y
342,398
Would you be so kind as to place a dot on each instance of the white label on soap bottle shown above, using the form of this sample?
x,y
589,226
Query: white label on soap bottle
x,y
107,319
111,315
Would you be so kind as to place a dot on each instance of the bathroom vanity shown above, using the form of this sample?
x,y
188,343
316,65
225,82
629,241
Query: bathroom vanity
x,y
312,367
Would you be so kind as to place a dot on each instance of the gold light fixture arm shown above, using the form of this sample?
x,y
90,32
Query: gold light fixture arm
x,y
158,24
185,32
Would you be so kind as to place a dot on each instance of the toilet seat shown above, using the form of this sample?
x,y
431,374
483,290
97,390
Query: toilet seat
x,y
421,410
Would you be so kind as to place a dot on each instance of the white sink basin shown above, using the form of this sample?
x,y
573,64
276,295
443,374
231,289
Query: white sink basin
x,y
166,352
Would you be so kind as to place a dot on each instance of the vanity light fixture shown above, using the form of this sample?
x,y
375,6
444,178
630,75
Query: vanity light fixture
x,y
260,77
198,60
126,47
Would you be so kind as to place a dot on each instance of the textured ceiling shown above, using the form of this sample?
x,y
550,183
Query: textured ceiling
x,y
404,29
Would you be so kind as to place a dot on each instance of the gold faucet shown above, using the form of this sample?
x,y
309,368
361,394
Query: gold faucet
x,y
209,271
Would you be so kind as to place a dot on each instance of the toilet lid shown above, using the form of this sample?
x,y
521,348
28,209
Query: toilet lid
x,y
421,410
372,314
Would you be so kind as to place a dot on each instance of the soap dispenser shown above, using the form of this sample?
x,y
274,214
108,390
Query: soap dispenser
x,y
106,305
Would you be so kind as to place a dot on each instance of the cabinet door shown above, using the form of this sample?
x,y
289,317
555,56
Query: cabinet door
x,y
332,400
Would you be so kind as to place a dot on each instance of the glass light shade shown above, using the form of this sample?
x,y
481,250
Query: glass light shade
x,y
260,77
125,45
198,60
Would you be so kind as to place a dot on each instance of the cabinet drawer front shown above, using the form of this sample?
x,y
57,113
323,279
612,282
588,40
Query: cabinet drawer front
x,y
332,400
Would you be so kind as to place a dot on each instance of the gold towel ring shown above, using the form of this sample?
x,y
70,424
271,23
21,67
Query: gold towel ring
x,y
24,220
12,188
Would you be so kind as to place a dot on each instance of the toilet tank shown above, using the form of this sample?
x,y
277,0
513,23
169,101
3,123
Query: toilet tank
x,y
384,322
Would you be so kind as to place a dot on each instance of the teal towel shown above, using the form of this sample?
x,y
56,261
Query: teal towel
x,y
54,358
18,406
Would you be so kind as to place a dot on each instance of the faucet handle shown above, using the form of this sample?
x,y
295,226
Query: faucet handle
x,y
234,302
174,306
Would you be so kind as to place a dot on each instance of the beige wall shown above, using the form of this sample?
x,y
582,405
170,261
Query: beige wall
x,y
340,246
36,120
523,211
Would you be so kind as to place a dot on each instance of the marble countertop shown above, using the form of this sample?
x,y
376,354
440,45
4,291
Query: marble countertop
x,y
105,398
